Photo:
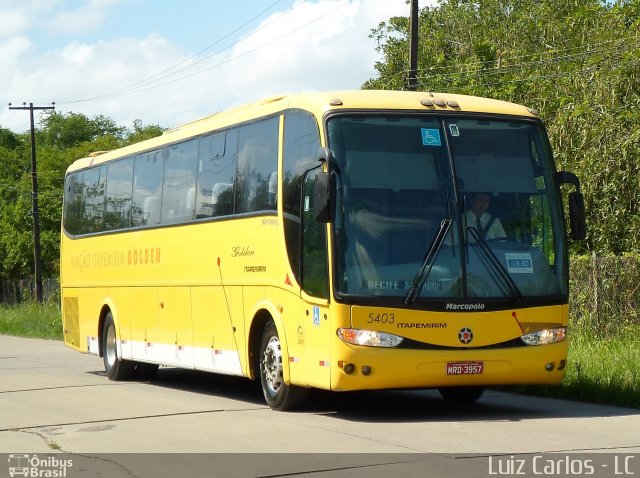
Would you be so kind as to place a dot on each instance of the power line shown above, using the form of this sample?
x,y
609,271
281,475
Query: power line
x,y
245,53
592,47
560,59
508,63
158,82
523,80
151,78
140,85
466,69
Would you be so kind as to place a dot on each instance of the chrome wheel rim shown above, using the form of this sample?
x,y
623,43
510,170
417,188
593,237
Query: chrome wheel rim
x,y
110,346
272,365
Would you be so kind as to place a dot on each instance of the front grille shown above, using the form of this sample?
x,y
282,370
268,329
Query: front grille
x,y
416,345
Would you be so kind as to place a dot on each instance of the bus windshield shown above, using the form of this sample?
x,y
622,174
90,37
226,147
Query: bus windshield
x,y
455,207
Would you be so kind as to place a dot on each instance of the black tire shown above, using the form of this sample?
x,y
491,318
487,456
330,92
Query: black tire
x,y
279,395
114,367
461,394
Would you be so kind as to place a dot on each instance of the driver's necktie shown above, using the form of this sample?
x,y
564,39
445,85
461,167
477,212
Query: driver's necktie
x,y
479,228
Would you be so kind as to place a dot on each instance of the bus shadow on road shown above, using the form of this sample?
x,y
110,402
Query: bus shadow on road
x,y
392,405
223,386
427,405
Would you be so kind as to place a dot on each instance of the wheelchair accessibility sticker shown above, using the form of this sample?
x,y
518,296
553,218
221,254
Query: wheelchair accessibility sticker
x,y
430,137
316,315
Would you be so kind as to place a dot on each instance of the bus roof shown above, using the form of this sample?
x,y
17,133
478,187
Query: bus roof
x,y
317,104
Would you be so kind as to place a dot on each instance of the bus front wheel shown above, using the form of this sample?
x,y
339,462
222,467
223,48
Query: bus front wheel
x,y
461,394
278,394
115,368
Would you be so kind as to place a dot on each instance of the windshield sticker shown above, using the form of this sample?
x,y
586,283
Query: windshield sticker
x,y
430,137
388,285
430,286
519,262
454,130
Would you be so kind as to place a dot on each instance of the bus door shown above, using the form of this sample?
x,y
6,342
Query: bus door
x,y
316,326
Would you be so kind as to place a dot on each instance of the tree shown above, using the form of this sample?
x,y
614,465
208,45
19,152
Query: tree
x,y
61,139
577,62
141,132
71,129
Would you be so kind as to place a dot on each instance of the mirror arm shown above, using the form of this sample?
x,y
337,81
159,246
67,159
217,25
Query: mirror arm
x,y
323,188
566,177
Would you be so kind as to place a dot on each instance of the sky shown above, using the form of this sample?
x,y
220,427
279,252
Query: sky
x,y
168,62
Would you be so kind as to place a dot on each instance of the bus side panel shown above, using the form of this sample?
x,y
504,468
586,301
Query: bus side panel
x,y
119,299
71,318
175,332
289,323
316,333
80,315
255,302
306,335
214,341
144,324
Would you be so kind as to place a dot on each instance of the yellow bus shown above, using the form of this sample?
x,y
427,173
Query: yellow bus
x,y
327,240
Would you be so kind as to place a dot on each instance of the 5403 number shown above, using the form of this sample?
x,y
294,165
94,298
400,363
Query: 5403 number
x,y
383,318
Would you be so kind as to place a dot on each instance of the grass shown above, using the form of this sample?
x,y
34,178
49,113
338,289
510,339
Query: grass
x,y
599,369
30,319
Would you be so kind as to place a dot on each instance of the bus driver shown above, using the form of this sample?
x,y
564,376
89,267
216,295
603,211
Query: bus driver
x,y
488,226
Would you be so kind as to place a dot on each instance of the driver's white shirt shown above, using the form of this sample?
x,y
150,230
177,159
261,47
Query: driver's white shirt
x,y
495,231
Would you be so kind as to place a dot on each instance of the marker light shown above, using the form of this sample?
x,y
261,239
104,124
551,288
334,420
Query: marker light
x,y
544,337
369,338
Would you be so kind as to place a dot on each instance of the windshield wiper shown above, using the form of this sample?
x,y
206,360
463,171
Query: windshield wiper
x,y
421,278
495,262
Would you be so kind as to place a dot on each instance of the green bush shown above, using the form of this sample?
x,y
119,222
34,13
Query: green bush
x,y
31,319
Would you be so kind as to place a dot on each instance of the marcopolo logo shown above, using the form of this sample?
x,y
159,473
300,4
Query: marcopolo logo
x,y
33,466
464,307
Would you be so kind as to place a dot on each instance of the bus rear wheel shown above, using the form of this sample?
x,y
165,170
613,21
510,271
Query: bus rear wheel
x,y
115,368
278,394
461,394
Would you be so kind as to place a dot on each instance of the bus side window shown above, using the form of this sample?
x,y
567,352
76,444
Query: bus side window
x,y
119,190
73,203
216,173
257,161
147,185
151,210
222,199
90,194
179,180
300,154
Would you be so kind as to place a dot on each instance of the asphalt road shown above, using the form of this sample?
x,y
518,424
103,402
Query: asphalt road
x,y
54,400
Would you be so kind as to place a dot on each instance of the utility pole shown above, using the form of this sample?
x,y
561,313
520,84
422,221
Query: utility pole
x,y
413,45
34,197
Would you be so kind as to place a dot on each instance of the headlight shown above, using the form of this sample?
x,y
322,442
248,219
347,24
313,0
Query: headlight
x,y
369,338
547,336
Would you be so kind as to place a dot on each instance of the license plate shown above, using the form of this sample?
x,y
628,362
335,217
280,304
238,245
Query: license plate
x,y
465,368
